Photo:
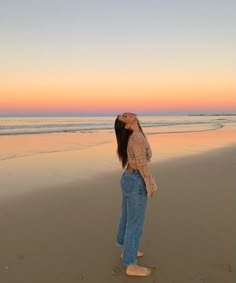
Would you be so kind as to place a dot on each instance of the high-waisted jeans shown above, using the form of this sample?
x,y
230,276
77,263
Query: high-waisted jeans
x,y
130,227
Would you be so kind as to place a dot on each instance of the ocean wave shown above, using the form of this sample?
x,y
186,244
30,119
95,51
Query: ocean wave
x,y
215,127
91,127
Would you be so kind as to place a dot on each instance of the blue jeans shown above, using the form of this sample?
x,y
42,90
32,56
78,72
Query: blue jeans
x,y
130,227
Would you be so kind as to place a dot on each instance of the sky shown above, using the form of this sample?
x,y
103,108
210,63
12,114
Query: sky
x,y
159,57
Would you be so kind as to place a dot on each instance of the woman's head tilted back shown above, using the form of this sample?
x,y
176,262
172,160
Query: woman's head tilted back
x,y
123,129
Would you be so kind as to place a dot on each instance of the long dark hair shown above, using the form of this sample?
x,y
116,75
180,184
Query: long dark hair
x,y
122,137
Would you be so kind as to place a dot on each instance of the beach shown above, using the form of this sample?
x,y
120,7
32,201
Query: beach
x,y
67,232
77,78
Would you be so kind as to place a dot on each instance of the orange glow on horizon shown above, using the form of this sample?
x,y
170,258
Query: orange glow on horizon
x,y
160,92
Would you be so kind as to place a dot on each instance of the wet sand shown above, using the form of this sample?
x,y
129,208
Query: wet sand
x,y
33,165
67,234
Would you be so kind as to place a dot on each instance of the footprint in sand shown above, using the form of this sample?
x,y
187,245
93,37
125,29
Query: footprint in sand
x,y
157,268
228,267
203,280
80,276
117,270
20,257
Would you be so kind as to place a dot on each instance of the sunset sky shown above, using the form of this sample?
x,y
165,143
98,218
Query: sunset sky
x,y
150,56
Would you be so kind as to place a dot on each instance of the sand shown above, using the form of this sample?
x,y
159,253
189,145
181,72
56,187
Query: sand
x,y
67,234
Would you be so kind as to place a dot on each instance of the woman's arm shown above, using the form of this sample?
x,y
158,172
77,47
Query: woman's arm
x,y
139,149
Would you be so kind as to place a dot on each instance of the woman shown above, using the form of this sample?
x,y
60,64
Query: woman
x,y
137,183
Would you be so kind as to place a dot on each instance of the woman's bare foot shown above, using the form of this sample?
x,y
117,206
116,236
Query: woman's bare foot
x,y
139,254
137,270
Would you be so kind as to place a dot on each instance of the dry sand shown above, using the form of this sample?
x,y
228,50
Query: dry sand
x,y
67,234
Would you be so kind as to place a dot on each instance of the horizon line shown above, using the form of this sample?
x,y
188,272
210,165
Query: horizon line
x,y
105,114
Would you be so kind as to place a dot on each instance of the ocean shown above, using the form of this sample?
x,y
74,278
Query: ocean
x,y
42,125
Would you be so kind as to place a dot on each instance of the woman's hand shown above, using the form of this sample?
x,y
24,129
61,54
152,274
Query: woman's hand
x,y
151,194
154,189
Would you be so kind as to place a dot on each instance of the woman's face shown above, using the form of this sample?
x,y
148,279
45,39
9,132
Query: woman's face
x,y
127,118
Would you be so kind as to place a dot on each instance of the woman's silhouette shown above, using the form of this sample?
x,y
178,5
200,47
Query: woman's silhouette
x,y
137,183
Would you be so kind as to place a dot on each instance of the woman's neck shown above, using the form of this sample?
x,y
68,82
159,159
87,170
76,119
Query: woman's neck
x,y
136,129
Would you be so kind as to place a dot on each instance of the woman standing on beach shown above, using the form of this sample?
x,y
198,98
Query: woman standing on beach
x,y
137,183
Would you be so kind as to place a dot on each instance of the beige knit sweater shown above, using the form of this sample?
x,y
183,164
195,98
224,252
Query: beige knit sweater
x,y
139,154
